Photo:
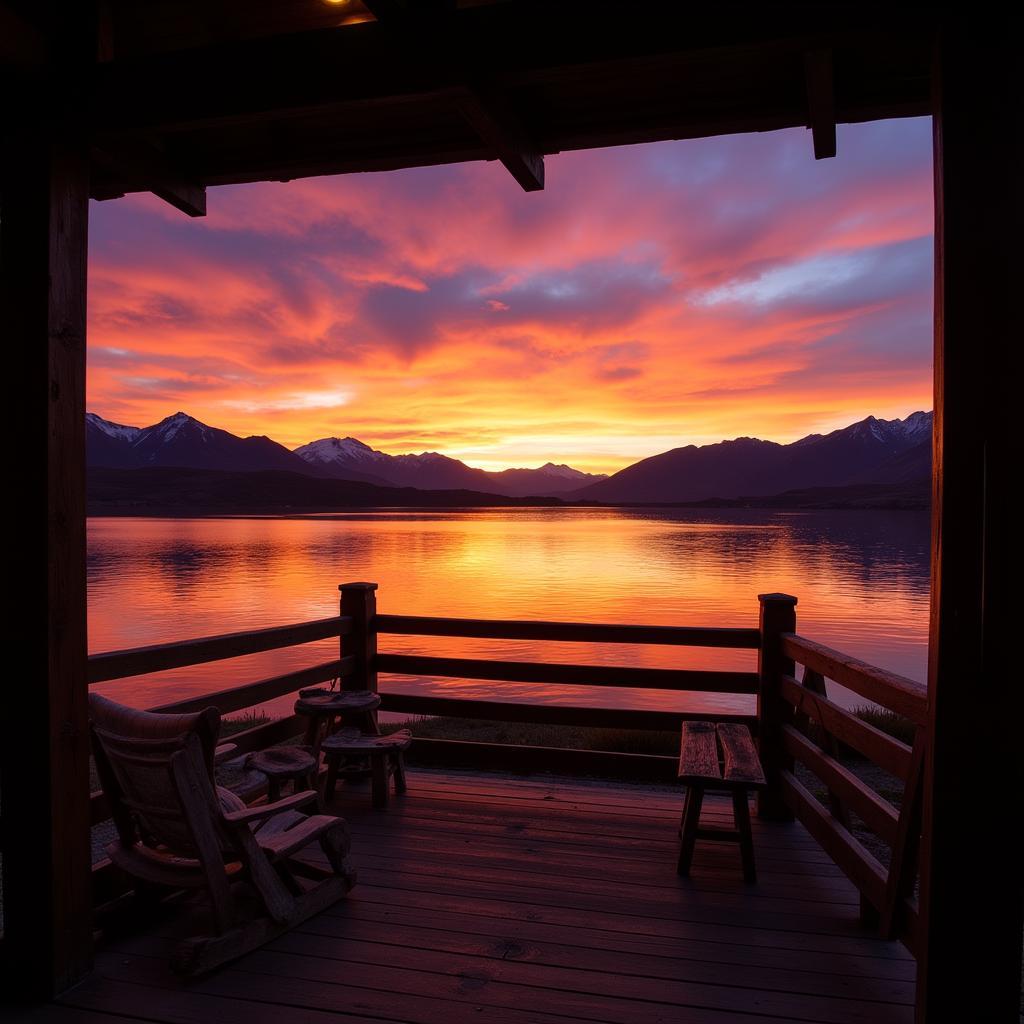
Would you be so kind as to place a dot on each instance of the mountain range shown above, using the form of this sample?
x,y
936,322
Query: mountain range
x,y
182,442
871,462
871,451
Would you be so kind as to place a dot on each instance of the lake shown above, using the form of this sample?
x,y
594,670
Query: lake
x,y
862,579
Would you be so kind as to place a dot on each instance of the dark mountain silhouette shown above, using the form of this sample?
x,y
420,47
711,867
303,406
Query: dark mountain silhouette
x,y
872,455
430,470
870,451
182,441
176,491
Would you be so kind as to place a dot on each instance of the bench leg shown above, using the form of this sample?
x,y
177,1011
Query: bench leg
x,y
691,821
379,776
741,816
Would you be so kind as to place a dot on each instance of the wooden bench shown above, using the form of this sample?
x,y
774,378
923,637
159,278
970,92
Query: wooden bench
x,y
721,757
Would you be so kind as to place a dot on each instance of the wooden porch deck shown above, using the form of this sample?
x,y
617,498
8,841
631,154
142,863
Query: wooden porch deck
x,y
485,897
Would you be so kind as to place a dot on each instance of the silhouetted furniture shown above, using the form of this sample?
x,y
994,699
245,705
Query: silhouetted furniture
x,y
283,764
328,710
385,754
176,828
722,757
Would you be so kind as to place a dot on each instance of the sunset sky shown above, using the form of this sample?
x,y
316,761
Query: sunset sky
x,y
651,297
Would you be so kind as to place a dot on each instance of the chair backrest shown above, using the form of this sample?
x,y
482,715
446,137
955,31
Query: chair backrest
x,y
135,754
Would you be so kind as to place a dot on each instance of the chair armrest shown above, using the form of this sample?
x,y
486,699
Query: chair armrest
x,y
223,752
263,811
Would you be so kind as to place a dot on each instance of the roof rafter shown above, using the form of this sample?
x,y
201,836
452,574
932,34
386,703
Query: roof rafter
x,y
821,103
486,110
138,166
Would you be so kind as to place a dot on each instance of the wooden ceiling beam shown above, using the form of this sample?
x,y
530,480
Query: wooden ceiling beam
x,y
305,72
133,165
485,109
821,101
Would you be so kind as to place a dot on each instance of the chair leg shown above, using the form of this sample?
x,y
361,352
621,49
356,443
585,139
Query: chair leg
x,y
741,816
399,772
691,821
379,776
335,843
273,790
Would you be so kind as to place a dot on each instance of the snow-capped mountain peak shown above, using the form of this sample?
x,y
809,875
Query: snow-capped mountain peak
x,y
339,451
563,472
116,430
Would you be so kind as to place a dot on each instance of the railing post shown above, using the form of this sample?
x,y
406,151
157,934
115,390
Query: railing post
x,y
359,600
778,616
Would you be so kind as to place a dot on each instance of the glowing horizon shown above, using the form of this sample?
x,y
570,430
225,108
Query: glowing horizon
x,y
652,297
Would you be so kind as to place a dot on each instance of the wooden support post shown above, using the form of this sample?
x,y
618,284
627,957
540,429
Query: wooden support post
x,y
778,616
970,917
47,898
359,600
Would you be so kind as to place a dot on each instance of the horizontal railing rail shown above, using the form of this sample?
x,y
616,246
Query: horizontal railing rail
x,y
568,632
894,692
549,714
183,653
571,675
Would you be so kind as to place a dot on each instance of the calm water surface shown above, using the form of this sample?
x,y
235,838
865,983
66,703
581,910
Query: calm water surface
x,y
861,579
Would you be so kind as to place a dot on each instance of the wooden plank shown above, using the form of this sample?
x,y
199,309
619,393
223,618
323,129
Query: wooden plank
x,y
885,751
160,657
45,754
239,698
742,765
867,977
570,632
573,675
897,693
583,992
572,861
698,752
553,714
878,814
726,929
860,865
973,753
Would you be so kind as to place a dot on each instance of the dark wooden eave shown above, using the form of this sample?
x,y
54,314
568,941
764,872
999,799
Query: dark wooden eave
x,y
363,97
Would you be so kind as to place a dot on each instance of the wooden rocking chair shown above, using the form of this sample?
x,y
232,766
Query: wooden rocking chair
x,y
177,828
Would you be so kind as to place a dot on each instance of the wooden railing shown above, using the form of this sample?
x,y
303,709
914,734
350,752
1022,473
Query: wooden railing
x,y
795,720
812,730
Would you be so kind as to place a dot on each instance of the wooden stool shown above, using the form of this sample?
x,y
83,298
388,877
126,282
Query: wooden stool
x,y
699,769
329,709
384,753
282,763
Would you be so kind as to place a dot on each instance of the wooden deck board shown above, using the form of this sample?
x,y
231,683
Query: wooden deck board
x,y
487,898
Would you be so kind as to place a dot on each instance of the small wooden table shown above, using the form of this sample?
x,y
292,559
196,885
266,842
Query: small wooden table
x,y
385,754
737,768
328,709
